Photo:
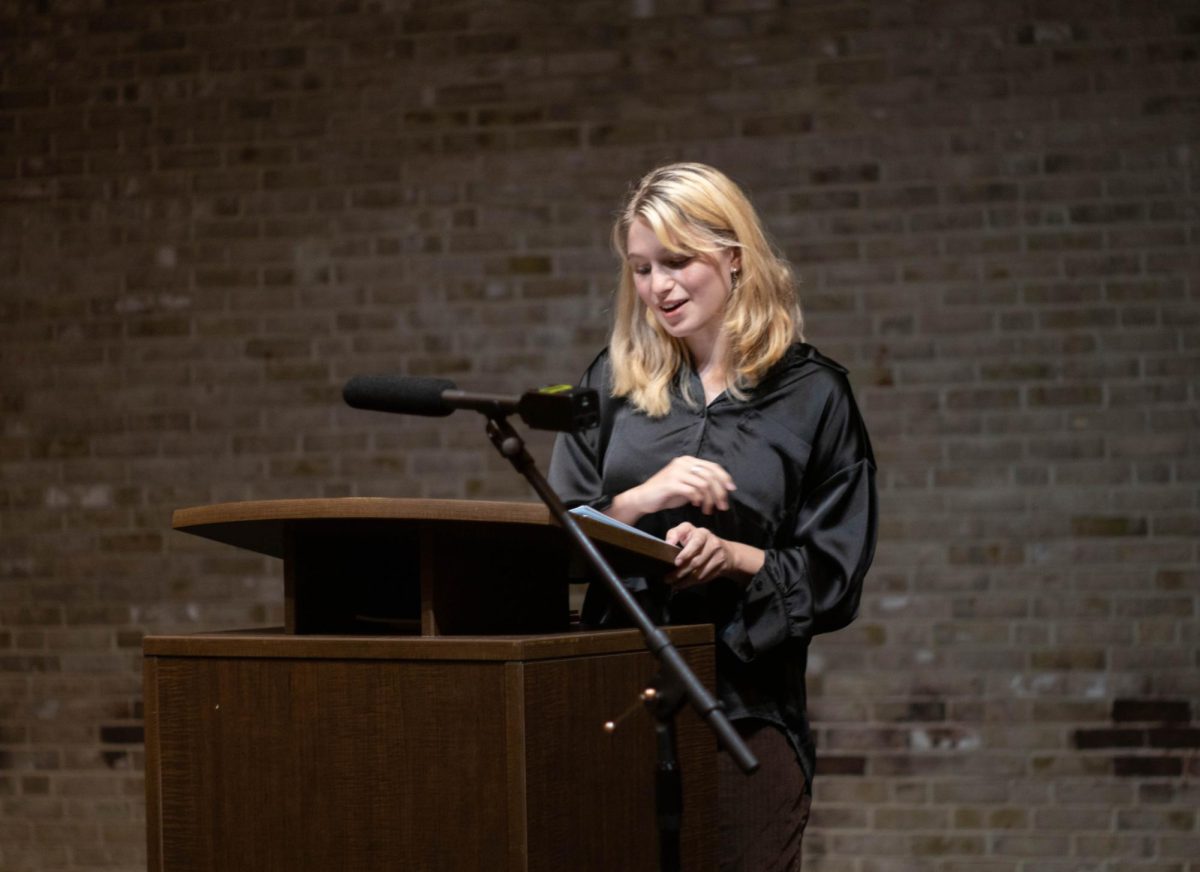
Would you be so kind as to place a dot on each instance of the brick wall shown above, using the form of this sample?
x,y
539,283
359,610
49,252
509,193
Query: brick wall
x,y
212,213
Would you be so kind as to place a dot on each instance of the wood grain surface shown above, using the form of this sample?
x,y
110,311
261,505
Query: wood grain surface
x,y
258,525
275,752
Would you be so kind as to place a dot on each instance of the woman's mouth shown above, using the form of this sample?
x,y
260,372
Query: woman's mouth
x,y
672,309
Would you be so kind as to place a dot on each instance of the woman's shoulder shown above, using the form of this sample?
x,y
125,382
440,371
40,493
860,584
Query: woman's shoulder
x,y
598,373
816,389
599,377
810,354
803,361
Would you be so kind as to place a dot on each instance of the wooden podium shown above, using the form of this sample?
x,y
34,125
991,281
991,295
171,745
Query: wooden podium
x,y
427,705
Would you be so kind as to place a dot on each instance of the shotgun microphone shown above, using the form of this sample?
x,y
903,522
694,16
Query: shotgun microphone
x,y
557,407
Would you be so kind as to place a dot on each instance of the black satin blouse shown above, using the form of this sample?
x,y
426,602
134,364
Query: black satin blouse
x,y
799,454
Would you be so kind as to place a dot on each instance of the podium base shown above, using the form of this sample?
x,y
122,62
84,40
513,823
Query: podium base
x,y
268,751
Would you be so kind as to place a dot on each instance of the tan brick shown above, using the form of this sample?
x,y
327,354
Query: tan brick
x,y
991,209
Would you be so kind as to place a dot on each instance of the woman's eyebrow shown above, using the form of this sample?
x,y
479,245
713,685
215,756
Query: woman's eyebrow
x,y
661,252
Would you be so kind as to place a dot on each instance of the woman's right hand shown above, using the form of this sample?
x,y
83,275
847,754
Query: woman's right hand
x,y
684,480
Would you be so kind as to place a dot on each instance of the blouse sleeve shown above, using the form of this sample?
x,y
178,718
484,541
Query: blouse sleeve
x,y
575,465
813,582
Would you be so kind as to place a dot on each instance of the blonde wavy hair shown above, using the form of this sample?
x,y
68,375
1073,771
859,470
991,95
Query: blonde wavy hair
x,y
698,211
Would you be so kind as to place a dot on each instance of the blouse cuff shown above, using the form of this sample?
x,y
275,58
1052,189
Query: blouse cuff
x,y
760,622
600,503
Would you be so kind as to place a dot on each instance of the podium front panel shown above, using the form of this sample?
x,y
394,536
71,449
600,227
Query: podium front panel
x,y
275,752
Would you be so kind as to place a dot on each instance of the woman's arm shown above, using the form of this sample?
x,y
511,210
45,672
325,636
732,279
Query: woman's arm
x,y
684,480
704,555
812,581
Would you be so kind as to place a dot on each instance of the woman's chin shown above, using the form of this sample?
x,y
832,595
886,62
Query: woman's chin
x,y
678,329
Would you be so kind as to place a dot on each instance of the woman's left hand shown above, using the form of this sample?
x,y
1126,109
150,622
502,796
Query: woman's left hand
x,y
702,557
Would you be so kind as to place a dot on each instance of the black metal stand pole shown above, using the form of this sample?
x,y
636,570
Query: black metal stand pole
x,y
664,698
509,443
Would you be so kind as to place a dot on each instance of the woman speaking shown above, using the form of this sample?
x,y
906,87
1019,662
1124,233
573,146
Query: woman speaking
x,y
726,434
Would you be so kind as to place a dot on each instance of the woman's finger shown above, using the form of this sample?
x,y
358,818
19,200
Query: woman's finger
x,y
716,472
712,566
699,496
714,490
688,553
678,535
719,480
711,489
682,576
711,562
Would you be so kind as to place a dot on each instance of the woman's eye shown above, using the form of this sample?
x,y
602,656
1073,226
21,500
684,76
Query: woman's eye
x,y
679,262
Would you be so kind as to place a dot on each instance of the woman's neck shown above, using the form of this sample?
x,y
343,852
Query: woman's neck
x,y
708,359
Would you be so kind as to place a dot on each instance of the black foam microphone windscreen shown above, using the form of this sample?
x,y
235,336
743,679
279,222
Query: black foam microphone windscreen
x,y
397,393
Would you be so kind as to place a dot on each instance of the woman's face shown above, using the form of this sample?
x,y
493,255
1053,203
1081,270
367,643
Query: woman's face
x,y
686,293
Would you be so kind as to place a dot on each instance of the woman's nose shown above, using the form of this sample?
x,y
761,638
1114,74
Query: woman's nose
x,y
661,280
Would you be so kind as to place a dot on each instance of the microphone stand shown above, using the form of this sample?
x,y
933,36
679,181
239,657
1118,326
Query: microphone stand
x,y
675,683
663,699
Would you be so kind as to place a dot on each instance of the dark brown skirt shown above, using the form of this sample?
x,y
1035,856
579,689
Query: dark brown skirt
x,y
762,816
